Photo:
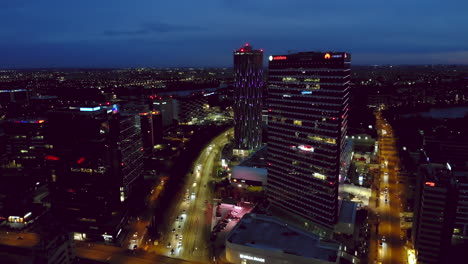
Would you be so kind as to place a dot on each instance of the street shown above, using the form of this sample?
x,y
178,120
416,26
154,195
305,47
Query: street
x,y
190,214
388,240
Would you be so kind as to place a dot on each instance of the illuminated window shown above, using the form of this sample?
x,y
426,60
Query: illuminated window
x,y
319,176
312,80
297,122
322,139
283,119
289,79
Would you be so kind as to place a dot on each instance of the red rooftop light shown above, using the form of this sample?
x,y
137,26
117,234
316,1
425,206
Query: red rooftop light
x,y
80,160
246,44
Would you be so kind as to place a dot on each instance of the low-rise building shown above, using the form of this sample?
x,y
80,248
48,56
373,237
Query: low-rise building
x,y
265,239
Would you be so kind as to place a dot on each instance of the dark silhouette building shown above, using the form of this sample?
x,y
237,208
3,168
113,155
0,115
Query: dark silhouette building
x,y
22,170
96,163
248,72
151,129
434,214
307,121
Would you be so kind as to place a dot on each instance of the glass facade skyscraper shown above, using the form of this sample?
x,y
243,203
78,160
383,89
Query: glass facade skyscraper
x,y
248,70
307,119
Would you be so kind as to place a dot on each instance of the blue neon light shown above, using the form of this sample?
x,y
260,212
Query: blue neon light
x,y
306,92
90,109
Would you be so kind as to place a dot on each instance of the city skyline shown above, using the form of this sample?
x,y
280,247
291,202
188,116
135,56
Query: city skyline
x,y
53,34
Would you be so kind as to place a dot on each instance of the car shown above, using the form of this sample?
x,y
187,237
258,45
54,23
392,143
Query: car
x,y
180,243
172,251
169,245
177,218
380,243
183,211
173,230
383,238
176,235
181,218
179,227
180,237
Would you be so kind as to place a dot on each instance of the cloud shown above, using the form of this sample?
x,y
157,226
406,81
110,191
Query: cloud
x,y
152,28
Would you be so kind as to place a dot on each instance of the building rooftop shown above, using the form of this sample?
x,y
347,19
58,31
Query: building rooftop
x,y
19,239
347,212
269,233
256,159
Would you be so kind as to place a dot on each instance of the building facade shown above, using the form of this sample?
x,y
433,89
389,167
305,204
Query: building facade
x,y
307,121
23,178
95,165
248,75
434,213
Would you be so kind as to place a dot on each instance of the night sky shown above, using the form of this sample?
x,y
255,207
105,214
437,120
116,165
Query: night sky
x,y
157,33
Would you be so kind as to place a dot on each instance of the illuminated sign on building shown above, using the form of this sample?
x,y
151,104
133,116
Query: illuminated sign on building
x,y
242,256
432,184
90,109
86,170
329,56
306,148
271,58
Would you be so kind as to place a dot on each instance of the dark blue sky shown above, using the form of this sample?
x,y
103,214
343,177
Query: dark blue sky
x,y
131,33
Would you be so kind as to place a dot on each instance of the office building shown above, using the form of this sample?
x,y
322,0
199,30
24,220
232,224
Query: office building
x,y
248,75
446,147
23,181
151,130
434,213
96,164
307,121
190,110
165,108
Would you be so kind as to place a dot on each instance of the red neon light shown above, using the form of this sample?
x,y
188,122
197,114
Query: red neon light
x,y
261,50
327,56
50,157
242,50
246,44
279,57
80,160
432,184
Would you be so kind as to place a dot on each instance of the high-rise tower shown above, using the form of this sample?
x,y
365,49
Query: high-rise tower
x,y
308,107
434,214
248,70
